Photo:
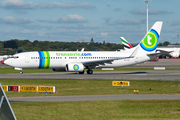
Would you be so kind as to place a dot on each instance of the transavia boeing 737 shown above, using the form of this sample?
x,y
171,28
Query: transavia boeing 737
x,y
78,61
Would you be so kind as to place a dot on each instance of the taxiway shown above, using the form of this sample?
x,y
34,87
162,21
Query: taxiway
x,y
95,98
105,75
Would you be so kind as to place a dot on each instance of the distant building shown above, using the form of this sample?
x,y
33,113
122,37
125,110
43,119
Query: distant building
x,y
173,46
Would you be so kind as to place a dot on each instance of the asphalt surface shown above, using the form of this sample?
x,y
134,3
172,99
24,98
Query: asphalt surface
x,y
105,75
95,98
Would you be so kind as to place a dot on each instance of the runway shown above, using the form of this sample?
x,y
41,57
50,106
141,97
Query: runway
x,y
110,75
95,98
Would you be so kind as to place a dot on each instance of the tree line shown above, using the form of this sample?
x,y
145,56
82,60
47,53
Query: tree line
x,y
11,46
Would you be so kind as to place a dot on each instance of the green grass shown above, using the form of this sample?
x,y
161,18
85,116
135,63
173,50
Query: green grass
x,y
11,70
94,110
98,110
93,87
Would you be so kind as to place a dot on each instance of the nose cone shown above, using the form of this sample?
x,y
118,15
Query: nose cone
x,y
7,62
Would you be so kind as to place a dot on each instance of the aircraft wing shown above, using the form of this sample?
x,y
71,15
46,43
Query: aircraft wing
x,y
101,62
109,61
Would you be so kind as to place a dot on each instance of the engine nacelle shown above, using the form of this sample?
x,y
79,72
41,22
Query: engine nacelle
x,y
174,54
59,69
79,67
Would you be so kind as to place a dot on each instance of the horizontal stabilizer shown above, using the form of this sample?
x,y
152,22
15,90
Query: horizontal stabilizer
x,y
159,52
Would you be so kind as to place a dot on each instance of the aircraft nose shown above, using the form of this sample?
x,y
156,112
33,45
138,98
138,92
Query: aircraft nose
x,y
7,62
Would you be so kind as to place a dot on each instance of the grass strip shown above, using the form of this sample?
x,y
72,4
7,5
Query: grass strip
x,y
99,110
93,87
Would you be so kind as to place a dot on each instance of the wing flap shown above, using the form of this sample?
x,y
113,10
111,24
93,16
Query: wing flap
x,y
108,61
101,62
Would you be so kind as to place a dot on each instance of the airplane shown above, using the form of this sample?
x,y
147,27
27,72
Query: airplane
x,y
172,51
78,61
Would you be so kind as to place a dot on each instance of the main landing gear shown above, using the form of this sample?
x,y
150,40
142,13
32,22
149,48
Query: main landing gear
x,y
88,72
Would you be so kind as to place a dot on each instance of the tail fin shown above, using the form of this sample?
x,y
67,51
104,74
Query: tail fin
x,y
150,41
19,51
125,43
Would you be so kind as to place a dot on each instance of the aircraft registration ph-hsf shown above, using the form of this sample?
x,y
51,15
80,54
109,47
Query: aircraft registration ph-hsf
x,y
78,61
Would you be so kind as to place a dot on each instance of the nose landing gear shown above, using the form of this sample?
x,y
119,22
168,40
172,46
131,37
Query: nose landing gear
x,y
21,72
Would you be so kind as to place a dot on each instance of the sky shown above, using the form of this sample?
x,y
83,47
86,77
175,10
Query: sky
x,y
72,20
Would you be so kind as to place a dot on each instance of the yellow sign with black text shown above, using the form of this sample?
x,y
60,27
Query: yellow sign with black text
x,y
46,89
28,88
120,83
5,88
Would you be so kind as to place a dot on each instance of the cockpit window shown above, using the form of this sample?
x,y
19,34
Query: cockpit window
x,y
13,56
10,56
16,56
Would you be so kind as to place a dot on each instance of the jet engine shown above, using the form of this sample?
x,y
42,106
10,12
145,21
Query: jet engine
x,y
79,67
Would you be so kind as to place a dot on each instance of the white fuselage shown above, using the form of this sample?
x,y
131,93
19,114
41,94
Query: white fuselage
x,y
59,59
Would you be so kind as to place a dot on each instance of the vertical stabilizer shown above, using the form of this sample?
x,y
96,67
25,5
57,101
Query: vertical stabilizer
x,y
125,43
150,41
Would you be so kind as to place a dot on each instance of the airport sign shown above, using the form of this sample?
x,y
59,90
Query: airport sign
x,y
120,83
46,88
5,87
13,88
29,88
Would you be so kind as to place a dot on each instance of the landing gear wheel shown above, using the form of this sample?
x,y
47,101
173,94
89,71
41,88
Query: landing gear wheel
x,y
81,72
89,72
21,72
